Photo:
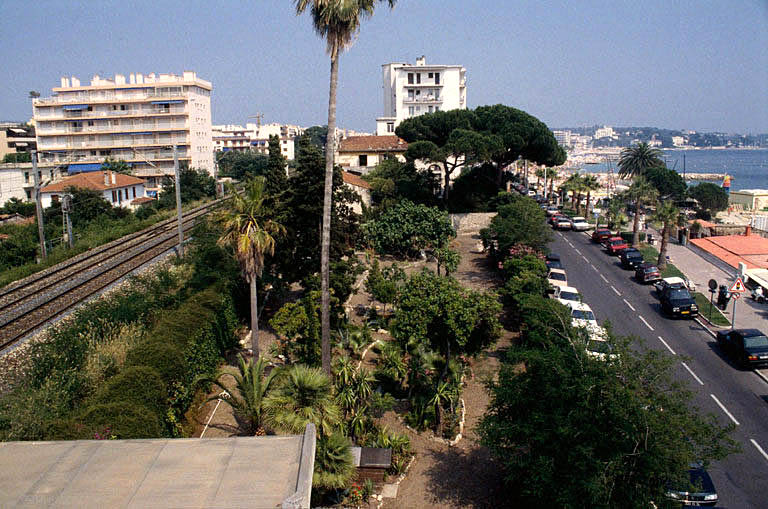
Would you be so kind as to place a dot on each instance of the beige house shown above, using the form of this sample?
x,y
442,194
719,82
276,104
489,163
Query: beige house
x,y
360,154
361,187
750,199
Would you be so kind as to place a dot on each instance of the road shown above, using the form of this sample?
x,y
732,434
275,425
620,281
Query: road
x,y
734,396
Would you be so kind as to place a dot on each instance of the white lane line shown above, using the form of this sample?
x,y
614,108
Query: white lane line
x,y
628,304
603,278
646,323
692,373
569,243
576,249
595,268
765,455
615,291
665,344
725,409
585,258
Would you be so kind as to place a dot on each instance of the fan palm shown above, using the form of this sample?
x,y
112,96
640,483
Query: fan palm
x,y
249,230
551,175
337,21
640,192
443,394
634,161
334,464
252,388
302,395
669,215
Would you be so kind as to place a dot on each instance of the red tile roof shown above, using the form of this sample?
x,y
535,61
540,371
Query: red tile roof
x,y
373,144
751,250
354,180
143,199
92,180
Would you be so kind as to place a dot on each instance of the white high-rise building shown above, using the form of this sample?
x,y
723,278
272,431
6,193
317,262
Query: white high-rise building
x,y
412,90
136,120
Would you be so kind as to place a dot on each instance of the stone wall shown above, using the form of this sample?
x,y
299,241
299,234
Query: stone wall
x,y
470,222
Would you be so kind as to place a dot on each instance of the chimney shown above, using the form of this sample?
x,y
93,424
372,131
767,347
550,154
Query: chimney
x,y
106,178
747,230
114,177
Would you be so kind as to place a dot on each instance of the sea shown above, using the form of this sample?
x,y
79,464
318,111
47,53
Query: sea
x,y
748,168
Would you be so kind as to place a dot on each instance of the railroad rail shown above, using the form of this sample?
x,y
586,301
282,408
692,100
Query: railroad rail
x,y
34,301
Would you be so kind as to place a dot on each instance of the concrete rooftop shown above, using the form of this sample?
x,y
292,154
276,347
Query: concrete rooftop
x,y
256,472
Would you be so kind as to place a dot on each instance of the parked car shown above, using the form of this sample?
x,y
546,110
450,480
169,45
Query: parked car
x,y
748,347
598,346
566,294
553,261
675,298
582,316
615,245
676,281
557,277
698,491
600,235
580,224
631,258
647,273
563,223
553,218
552,210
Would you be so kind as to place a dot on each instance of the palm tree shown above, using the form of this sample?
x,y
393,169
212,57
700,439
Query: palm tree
x,y
334,464
640,192
302,395
590,184
443,394
252,387
337,21
248,229
551,175
669,215
634,161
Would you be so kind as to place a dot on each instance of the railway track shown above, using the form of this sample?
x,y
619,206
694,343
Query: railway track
x,y
32,302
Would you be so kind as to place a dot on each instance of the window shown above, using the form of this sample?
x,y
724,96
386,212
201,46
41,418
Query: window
x,y
54,198
418,77
410,78
437,78
390,127
93,152
29,193
90,123
26,176
90,108
430,75
122,107
363,160
134,191
430,109
410,94
410,110
114,196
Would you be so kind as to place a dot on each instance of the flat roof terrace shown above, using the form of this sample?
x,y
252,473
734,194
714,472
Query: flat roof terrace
x,y
271,471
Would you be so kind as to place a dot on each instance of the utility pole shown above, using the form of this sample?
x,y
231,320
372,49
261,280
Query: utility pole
x,y
178,199
66,208
38,206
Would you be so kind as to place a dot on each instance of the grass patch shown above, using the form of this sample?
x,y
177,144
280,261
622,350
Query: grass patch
x,y
650,254
706,310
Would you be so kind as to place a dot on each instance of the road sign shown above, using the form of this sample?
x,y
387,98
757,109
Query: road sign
x,y
712,285
737,286
735,295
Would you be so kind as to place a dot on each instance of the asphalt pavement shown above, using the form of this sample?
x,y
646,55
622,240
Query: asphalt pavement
x,y
734,396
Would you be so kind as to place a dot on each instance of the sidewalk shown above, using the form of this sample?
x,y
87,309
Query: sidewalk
x,y
749,314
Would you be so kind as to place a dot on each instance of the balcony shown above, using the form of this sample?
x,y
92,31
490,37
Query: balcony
x,y
106,97
70,129
423,99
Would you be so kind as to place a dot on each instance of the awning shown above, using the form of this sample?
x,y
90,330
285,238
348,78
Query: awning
x,y
21,143
83,168
75,107
168,102
18,131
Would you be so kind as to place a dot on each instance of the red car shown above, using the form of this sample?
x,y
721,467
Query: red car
x,y
615,245
600,235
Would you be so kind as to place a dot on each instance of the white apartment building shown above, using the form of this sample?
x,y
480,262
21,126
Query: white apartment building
x,y
563,138
135,119
604,132
18,181
255,138
412,90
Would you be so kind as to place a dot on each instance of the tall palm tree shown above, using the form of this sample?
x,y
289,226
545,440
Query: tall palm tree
x,y
337,21
248,228
443,394
590,183
669,216
634,161
303,395
640,193
252,388
551,175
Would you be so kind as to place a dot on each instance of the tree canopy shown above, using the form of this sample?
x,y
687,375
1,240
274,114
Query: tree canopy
x,y
710,196
406,228
519,222
668,183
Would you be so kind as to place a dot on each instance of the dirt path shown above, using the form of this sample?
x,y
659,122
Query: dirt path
x,y
464,475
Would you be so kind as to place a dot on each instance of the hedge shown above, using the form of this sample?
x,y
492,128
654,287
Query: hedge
x,y
627,236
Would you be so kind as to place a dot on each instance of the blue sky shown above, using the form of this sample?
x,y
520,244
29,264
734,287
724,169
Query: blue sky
x,y
696,64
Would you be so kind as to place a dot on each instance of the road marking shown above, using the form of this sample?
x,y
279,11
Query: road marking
x,y
628,304
765,455
646,323
725,409
569,243
665,343
585,259
603,277
615,291
576,249
692,373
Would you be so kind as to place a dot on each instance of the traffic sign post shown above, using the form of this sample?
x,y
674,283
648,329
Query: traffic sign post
x,y
736,289
712,289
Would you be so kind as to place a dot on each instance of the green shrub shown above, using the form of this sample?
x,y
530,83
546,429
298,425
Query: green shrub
x,y
627,236
166,359
141,385
124,420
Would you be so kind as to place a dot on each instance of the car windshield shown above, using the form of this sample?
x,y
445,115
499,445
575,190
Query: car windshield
x,y
648,270
569,296
756,342
582,314
598,346
679,294
616,242
557,276
634,254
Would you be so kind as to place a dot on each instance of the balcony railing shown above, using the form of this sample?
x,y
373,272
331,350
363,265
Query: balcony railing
x,y
423,99
107,128
88,98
